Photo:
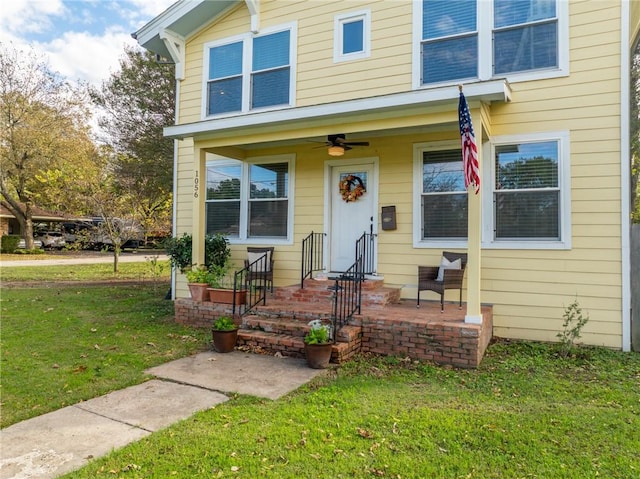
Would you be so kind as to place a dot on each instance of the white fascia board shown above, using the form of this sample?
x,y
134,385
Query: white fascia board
x,y
166,18
494,90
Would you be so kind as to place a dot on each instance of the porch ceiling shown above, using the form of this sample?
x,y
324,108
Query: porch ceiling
x,y
411,111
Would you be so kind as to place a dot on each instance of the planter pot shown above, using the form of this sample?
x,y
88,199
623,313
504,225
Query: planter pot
x,y
225,296
318,355
224,341
198,291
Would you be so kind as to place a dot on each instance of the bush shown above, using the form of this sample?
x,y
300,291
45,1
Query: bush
x,y
216,251
9,243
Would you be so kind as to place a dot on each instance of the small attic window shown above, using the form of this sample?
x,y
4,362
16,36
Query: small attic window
x,y
352,34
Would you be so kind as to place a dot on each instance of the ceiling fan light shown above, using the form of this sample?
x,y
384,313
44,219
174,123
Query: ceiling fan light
x,y
336,150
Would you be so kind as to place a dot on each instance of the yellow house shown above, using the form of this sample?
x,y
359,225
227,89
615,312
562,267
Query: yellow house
x,y
280,101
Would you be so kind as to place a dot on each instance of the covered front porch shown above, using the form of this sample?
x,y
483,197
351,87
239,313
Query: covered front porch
x,y
386,324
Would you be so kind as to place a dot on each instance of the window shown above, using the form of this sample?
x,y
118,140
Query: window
x,y
530,190
443,196
449,48
249,200
525,35
352,32
249,72
471,39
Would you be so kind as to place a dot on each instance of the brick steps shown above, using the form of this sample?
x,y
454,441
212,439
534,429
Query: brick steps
x,y
286,336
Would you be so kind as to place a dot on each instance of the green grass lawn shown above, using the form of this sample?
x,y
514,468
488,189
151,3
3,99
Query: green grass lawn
x,y
525,413
61,345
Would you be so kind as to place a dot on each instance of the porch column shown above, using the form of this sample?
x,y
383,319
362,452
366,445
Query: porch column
x,y
199,195
474,315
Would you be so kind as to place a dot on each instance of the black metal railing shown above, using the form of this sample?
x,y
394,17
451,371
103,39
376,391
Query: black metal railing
x,y
347,295
312,256
252,280
365,249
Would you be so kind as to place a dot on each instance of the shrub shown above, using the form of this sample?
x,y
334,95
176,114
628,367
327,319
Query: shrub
x,y
9,243
572,326
216,251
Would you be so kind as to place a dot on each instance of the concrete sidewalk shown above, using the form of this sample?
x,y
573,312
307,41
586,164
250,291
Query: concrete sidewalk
x,y
62,441
86,259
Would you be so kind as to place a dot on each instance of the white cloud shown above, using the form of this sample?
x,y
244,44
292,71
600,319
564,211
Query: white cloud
x,y
20,17
86,57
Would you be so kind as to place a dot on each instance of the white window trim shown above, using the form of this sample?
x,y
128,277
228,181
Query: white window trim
x,y
485,47
244,197
247,55
418,241
338,41
564,182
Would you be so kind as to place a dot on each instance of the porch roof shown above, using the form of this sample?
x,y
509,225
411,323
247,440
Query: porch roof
x,y
387,107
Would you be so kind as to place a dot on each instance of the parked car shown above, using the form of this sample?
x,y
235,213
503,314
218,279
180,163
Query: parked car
x,y
51,239
37,244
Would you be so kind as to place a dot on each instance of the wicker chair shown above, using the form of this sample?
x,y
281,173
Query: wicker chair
x,y
452,278
259,272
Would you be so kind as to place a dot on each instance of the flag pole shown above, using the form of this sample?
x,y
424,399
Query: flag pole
x,y
474,220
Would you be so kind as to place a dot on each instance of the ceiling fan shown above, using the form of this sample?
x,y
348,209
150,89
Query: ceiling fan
x,y
338,144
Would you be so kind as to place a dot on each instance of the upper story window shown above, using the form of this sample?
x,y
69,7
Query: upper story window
x,y
352,33
525,35
449,40
249,72
249,200
472,39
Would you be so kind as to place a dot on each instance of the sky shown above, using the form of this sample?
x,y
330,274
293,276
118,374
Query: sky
x,y
81,39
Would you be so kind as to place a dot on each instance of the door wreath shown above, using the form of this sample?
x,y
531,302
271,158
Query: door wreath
x,y
351,188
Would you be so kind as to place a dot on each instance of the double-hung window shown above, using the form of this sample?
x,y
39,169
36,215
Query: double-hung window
x,y
449,47
525,35
466,40
530,191
443,198
249,72
249,200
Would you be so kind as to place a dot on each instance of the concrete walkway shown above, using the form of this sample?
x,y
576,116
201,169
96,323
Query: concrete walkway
x,y
86,259
64,440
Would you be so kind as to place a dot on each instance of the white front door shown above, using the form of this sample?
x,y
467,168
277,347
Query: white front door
x,y
350,219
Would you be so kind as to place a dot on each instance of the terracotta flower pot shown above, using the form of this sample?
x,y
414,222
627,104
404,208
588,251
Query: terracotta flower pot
x,y
224,341
318,355
199,291
225,296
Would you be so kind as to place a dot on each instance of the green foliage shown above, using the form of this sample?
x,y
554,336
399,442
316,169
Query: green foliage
x,y
198,274
33,251
9,243
216,252
224,323
319,333
572,326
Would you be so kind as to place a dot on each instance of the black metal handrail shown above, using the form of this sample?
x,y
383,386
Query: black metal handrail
x,y
365,249
312,256
347,297
252,280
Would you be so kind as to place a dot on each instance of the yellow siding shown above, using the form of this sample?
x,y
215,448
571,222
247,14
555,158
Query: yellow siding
x,y
529,288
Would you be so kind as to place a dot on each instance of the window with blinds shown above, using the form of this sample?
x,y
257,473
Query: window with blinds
x,y
444,198
471,39
449,40
527,191
248,200
253,72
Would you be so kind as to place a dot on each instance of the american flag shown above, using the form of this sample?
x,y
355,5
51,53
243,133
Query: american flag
x,y
469,148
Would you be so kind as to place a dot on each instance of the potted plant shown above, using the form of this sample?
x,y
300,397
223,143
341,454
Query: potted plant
x,y
318,344
225,334
221,286
198,282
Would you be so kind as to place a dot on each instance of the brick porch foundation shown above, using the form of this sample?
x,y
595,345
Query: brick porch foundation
x,y
394,328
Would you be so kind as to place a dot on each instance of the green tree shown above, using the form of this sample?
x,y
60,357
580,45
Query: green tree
x,y
635,136
136,103
44,133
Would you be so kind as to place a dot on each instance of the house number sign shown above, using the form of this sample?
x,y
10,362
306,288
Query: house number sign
x,y
196,184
